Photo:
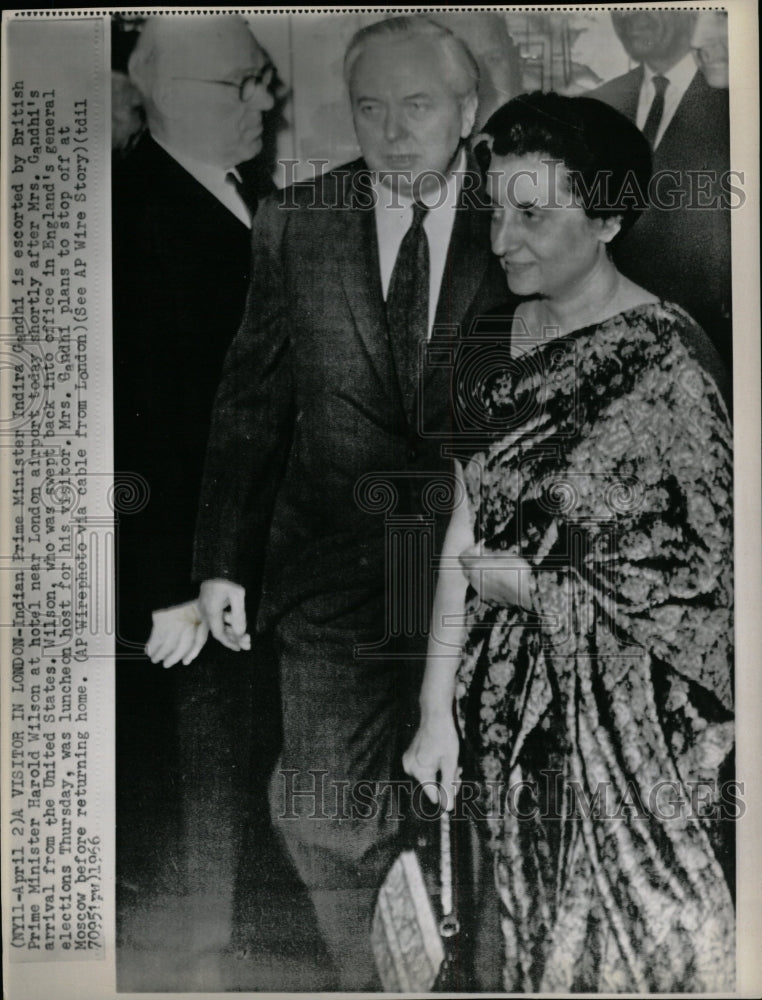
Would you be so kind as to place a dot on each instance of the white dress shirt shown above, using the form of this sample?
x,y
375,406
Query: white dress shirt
x,y
394,215
680,77
214,179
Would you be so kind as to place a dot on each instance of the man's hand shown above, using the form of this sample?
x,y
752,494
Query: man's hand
x,y
223,608
432,759
178,633
497,577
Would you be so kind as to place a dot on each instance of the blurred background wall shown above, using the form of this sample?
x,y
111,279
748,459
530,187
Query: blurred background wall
x,y
569,52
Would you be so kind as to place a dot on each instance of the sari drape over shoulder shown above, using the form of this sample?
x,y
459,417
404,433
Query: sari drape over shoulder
x,y
602,720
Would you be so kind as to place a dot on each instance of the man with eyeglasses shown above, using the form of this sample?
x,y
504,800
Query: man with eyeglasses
x,y
182,213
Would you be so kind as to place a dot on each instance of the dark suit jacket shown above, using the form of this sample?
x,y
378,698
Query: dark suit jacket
x,y
309,404
683,254
180,269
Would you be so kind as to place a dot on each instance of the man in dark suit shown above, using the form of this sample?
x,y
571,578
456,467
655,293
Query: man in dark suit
x,y
181,249
328,450
680,248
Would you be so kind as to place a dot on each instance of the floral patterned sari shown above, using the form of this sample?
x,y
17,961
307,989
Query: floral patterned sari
x,y
602,720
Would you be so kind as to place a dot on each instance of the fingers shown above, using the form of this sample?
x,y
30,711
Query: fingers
x,y
170,640
229,638
238,613
219,630
222,605
424,774
222,632
437,773
244,641
183,644
175,634
410,763
156,644
449,774
200,637
166,643
152,645
180,632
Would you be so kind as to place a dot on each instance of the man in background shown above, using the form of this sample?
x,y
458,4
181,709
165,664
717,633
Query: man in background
x,y
710,47
183,201
679,250
328,429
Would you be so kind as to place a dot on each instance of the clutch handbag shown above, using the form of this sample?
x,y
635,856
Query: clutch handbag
x,y
413,928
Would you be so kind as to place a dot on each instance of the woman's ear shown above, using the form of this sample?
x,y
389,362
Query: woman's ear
x,y
608,227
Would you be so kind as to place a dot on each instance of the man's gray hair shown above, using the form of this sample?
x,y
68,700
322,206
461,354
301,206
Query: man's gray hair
x,y
465,70
162,33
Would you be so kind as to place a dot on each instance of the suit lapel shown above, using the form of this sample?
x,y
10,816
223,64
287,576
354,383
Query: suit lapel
x,y
469,255
467,259
631,95
622,93
361,279
698,118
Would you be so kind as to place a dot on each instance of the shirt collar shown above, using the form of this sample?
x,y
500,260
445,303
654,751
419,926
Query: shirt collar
x,y
680,75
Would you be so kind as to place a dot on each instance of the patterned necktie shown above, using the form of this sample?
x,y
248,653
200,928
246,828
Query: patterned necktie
x,y
247,197
407,304
656,111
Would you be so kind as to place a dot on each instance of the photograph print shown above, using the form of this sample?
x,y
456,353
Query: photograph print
x,y
423,352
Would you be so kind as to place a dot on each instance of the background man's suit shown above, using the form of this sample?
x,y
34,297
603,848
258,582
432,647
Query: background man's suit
x,y
181,263
312,452
181,271
683,255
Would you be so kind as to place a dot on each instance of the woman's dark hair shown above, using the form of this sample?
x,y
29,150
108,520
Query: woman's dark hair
x,y
606,155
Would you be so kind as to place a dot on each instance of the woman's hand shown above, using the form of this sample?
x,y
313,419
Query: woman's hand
x,y
432,759
497,577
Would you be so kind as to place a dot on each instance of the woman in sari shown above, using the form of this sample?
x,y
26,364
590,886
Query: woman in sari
x,y
592,670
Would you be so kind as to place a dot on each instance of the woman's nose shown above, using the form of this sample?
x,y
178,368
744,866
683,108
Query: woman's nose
x,y
504,235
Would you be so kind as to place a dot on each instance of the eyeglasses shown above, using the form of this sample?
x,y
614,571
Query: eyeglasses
x,y
247,87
